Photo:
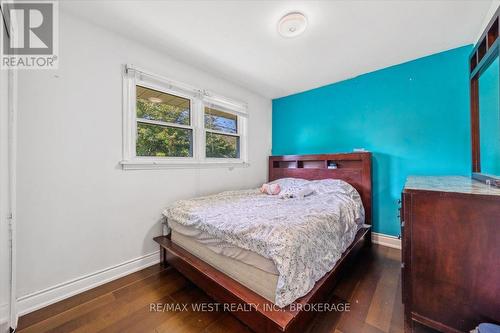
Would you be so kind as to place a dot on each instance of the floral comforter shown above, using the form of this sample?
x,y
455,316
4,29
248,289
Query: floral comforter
x,y
304,237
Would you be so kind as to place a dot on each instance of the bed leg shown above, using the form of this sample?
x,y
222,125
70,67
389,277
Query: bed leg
x,y
368,241
163,257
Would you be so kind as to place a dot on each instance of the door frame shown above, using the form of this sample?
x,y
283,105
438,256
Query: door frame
x,y
11,115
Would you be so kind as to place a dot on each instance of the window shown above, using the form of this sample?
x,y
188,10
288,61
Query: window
x,y
222,139
163,124
170,124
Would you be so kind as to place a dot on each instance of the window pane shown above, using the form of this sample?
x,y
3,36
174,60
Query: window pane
x,y
222,146
157,105
153,140
220,121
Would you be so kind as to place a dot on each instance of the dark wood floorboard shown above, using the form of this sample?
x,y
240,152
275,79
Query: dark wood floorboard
x,y
371,286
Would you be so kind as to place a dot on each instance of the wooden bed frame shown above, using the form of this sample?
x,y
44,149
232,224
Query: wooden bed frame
x,y
355,168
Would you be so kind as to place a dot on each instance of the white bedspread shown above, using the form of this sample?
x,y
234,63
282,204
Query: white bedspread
x,y
303,237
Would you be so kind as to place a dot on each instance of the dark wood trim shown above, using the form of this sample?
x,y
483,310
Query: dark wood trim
x,y
487,39
487,59
474,105
433,324
483,54
263,318
474,123
406,260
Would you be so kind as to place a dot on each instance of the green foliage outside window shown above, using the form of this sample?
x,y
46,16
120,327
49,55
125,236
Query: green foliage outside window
x,y
163,141
153,140
168,141
222,146
162,112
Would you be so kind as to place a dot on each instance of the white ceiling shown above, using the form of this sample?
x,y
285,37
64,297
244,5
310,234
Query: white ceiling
x,y
238,40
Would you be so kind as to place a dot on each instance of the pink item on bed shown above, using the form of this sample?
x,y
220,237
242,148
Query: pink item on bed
x,y
271,189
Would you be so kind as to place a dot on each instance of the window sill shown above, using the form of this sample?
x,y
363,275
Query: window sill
x,y
155,165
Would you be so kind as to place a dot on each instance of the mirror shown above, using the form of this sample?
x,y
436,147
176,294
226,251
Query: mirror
x,y
489,119
485,104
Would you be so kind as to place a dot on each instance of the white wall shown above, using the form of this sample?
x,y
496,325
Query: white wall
x,y
78,211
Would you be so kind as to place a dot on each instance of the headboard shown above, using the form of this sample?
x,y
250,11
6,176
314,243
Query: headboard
x,y
354,168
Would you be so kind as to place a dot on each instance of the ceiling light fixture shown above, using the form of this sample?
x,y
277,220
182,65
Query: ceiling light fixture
x,y
292,24
155,100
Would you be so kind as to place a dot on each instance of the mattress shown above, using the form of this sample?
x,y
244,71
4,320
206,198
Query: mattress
x,y
259,281
224,249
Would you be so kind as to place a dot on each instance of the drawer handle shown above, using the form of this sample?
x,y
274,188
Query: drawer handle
x,y
402,265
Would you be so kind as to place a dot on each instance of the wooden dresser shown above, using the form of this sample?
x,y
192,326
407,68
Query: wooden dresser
x,y
450,253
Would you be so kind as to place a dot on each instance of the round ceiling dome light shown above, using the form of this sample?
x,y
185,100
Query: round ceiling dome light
x,y
292,24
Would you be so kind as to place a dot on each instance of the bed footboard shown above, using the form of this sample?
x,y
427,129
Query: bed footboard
x,y
263,317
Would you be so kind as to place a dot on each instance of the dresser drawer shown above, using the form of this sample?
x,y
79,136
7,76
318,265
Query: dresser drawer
x,y
450,257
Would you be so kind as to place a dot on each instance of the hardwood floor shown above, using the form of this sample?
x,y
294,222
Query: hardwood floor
x,y
372,286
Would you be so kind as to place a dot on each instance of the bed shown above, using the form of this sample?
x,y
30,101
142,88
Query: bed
x,y
232,255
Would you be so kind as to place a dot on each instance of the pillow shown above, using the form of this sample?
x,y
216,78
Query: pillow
x,y
340,187
328,186
271,189
293,187
286,183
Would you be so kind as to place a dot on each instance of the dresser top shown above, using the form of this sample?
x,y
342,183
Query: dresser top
x,y
456,184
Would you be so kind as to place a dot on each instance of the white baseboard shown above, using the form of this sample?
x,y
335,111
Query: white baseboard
x,y
386,240
42,298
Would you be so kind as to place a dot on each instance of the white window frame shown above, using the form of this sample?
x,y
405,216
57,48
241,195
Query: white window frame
x,y
199,98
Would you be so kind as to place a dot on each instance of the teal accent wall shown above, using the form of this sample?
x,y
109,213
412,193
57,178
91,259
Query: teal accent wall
x,y
413,117
489,120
